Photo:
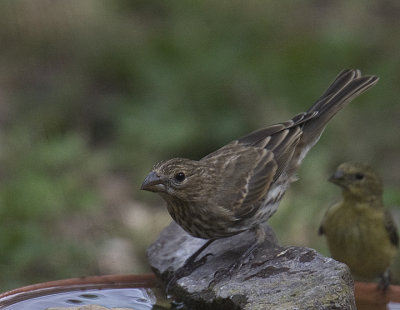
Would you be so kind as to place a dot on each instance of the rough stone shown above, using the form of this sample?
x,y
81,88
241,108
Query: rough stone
x,y
275,278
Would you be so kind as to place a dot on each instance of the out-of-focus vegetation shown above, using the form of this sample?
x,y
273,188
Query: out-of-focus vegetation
x,y
93,93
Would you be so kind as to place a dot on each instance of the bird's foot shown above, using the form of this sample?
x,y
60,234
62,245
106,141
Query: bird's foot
x,y
384,282
187,268
223,273
226,273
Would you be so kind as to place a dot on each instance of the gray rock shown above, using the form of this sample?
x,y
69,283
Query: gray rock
x,y
275,278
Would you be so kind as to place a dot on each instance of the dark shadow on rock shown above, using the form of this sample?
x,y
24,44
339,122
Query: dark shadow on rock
x,y
275,278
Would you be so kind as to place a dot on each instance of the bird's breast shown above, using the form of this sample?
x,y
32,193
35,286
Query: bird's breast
x,y
207,220
202,220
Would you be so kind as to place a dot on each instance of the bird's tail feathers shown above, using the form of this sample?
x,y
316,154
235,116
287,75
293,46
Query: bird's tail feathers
x,y
347,85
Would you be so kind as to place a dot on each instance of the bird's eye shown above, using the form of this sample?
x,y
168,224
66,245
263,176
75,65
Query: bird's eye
x,y
180,176
359,176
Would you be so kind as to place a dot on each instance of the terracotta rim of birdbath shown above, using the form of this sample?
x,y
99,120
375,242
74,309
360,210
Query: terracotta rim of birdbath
x,y
368,293
92,282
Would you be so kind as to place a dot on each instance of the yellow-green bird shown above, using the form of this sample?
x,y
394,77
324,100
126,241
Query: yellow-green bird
x,y
360,232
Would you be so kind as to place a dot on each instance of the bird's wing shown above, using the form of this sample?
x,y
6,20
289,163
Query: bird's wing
x,y
281,139
258,137
391,228
328,214
244,175
253,162
321,229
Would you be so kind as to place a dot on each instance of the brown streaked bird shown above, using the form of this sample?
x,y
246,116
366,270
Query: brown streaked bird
x,y
239,186
360,232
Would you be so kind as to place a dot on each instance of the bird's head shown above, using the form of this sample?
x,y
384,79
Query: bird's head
x,y
358,179
178,178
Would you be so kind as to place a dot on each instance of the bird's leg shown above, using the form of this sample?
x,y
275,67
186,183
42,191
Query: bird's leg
x,y
384,281
248,254
243,259
189,265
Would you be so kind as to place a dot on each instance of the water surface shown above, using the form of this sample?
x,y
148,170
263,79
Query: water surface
x,y
134,298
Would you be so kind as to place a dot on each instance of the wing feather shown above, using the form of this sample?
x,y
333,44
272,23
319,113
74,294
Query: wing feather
x,y
245,175
391,228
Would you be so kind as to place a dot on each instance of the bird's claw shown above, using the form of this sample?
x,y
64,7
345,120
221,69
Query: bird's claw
x,y
223,273
186,270
384,282
226,273
201,261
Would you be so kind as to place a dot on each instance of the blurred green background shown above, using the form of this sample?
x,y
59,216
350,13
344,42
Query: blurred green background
x,y
93,93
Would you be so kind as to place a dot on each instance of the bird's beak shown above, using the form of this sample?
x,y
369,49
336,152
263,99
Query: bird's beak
x,y
337,177
153,183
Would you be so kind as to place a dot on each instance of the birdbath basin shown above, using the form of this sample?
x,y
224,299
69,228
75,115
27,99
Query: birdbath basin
x,y
139,292
122,291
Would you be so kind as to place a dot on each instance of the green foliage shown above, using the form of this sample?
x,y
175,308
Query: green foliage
x,y
91,88
44,182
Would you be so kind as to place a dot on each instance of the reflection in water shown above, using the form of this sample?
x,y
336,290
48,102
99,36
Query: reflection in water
x,y
393,306
133,298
